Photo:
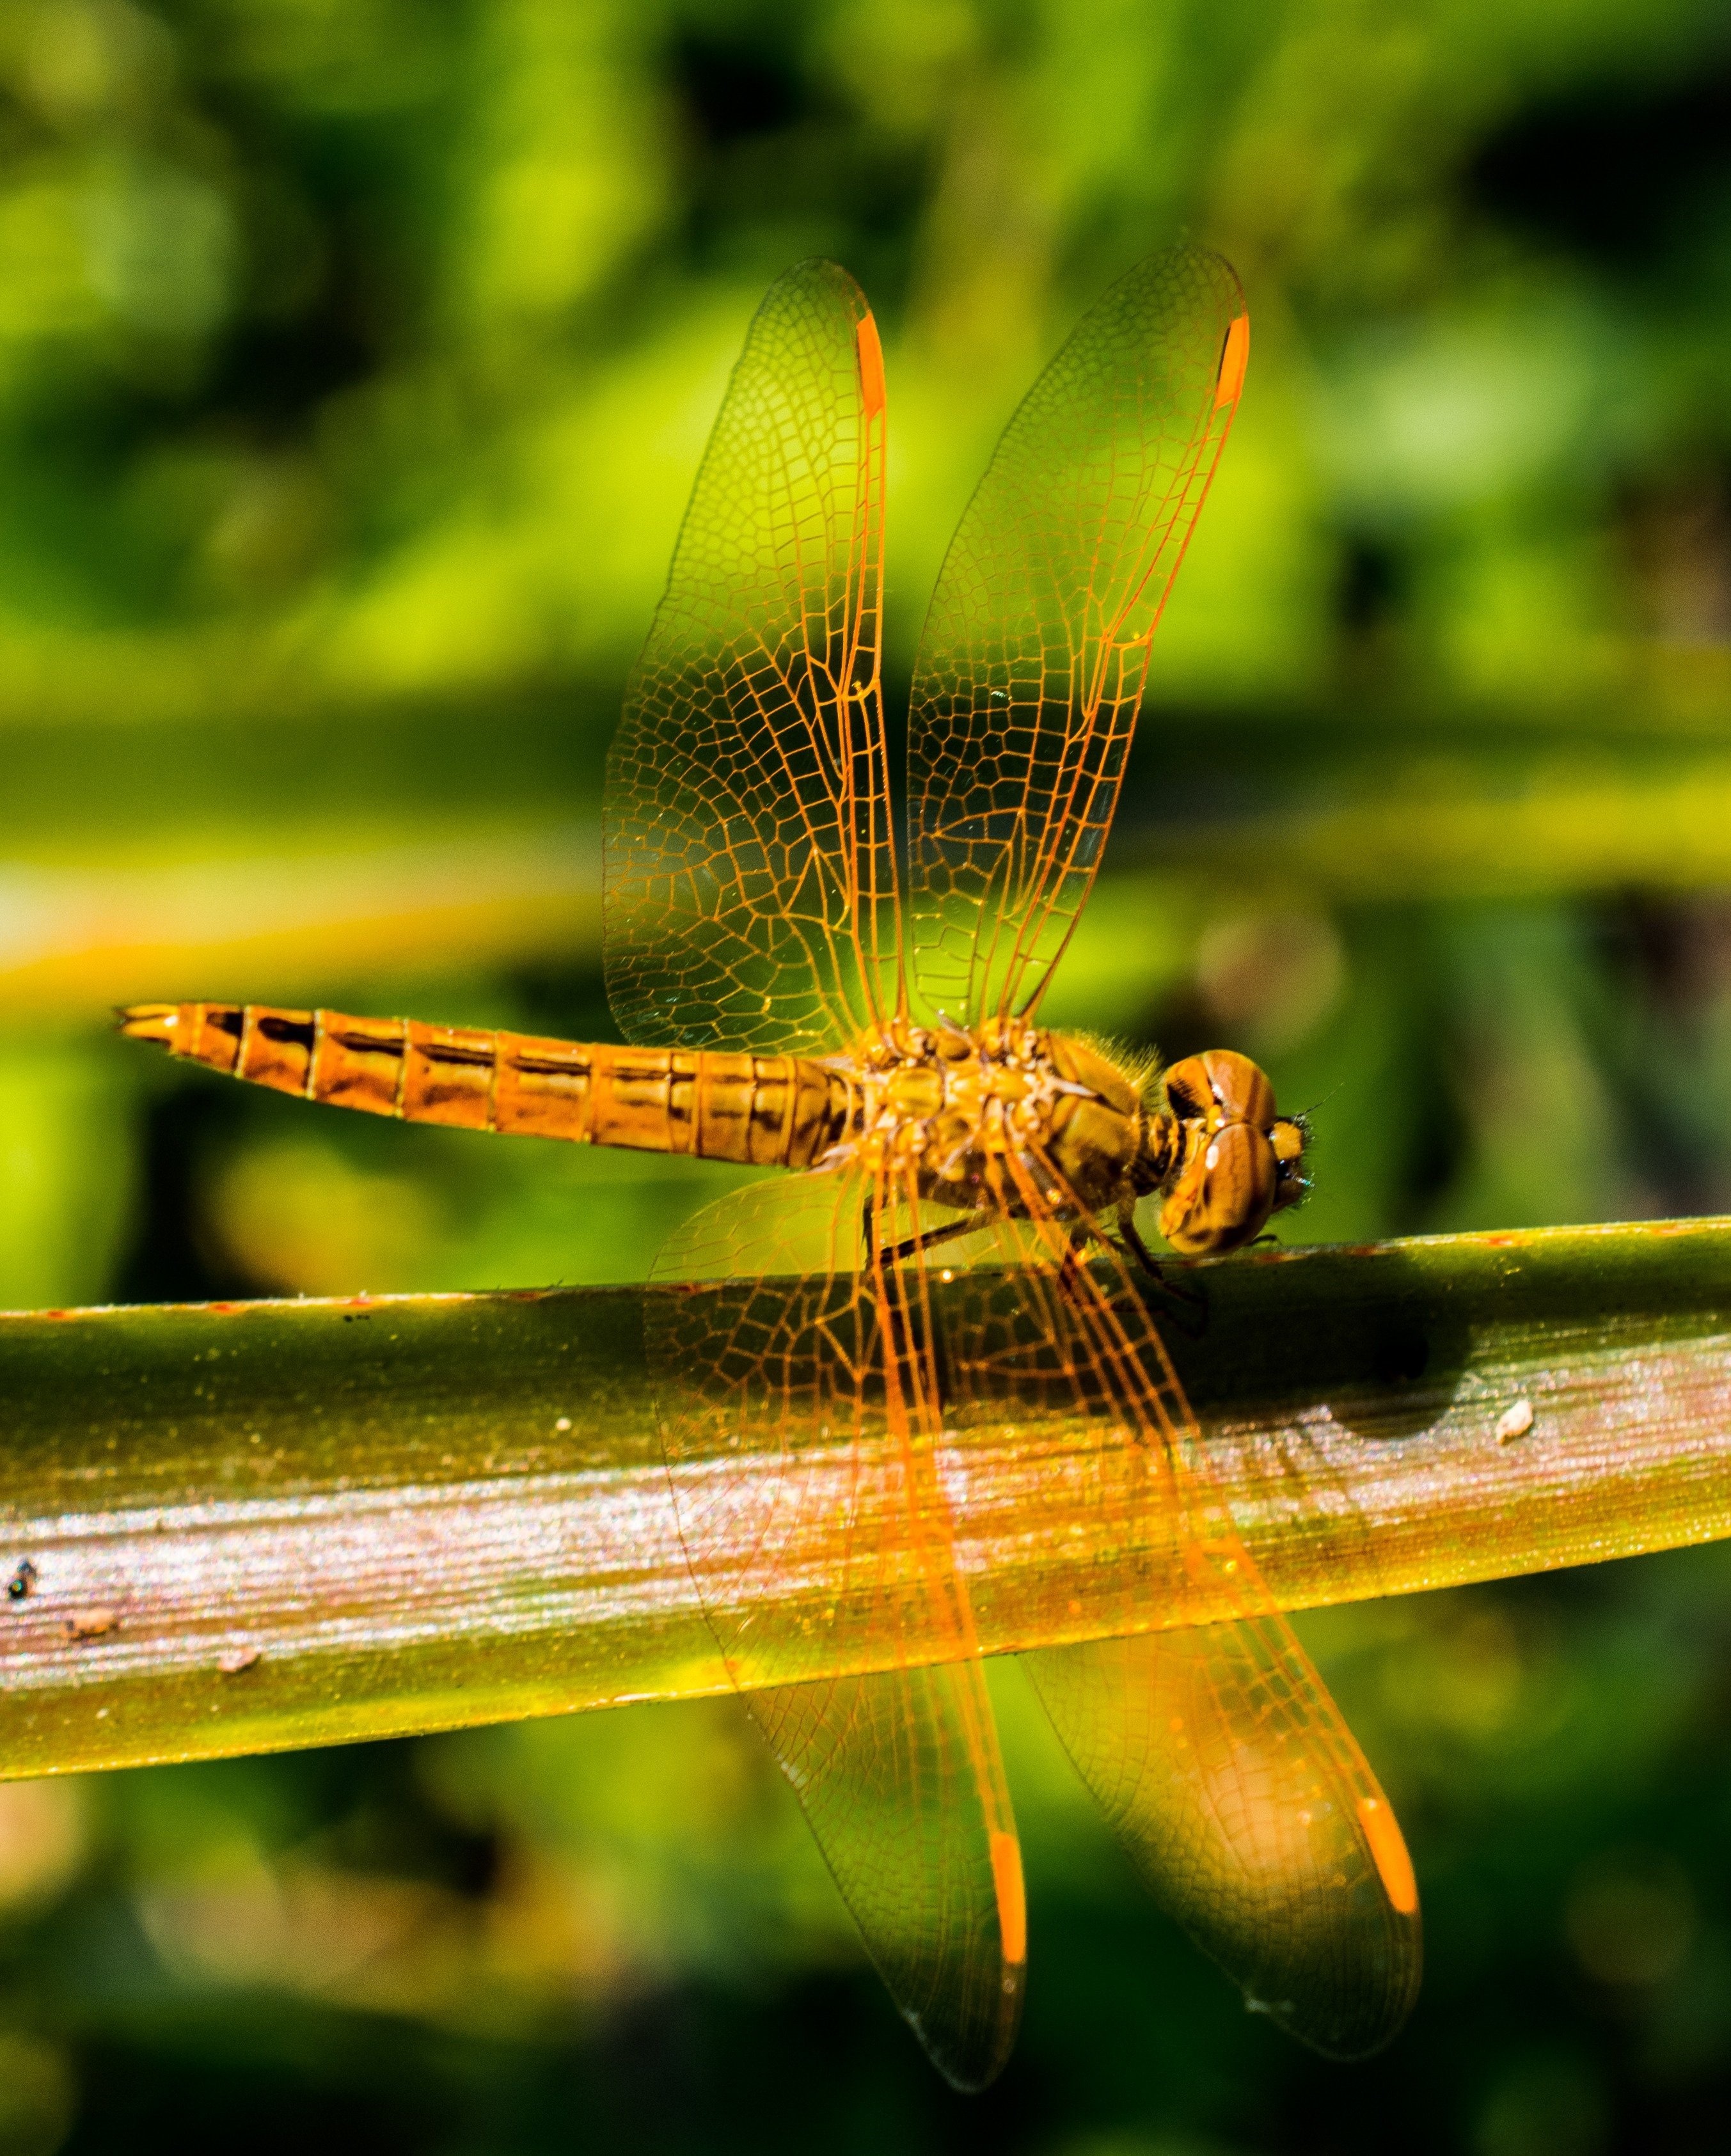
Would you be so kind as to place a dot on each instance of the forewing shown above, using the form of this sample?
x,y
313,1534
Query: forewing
x,y
1213,1746
797,1405
1031,667
750,875
1226,1770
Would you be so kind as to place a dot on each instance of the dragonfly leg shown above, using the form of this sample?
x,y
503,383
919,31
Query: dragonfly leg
x,y
896,1253
1137,1249
1186,1306
970,1223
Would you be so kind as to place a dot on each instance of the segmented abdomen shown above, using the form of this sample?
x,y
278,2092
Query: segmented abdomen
x,y
774,1110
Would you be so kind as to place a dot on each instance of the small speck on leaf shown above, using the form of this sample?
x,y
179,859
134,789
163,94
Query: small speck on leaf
x,y
239,1658
1514,1422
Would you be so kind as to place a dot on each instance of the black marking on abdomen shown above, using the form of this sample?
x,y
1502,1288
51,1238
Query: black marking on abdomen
x,y
550,1066
297,1031
475,1058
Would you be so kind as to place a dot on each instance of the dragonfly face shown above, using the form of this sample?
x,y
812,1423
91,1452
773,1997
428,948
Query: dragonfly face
x,y
796,992
1238,1161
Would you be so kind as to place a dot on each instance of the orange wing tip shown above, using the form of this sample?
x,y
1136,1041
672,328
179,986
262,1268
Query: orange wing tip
x,y
150,1022
1012,1896
1235,357
872,366
1387,1846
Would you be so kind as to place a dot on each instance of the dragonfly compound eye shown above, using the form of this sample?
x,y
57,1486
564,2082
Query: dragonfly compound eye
x,y
1187,1088
1221,1082
1240,1086
1224,1195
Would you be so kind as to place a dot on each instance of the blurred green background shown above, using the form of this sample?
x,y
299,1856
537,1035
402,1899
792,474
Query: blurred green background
x,y
354,359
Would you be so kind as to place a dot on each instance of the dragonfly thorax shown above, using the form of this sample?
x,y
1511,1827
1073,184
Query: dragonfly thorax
x,y
987,1117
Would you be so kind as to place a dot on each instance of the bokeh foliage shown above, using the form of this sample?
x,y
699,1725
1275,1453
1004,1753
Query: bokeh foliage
x,y
355,357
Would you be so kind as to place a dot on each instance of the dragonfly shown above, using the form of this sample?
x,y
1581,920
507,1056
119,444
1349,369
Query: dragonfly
x,y
809,977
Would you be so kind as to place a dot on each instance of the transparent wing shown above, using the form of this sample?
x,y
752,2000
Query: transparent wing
x,y
1215,1749
916,1830
750,875
797,1400
1225,1769
1032,663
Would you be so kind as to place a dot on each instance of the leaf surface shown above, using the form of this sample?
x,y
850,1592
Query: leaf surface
x,y
267,1525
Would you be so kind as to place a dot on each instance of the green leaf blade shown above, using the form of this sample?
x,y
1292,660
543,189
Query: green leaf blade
x,y
256,1526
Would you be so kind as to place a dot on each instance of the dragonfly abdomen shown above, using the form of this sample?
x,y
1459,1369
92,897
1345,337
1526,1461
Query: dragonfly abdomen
x,y
771,1110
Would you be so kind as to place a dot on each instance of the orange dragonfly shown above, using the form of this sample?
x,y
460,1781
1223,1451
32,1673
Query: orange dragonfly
x,y
959,1231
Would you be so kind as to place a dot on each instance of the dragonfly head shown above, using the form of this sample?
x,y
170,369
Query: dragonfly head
x,y
1236,1161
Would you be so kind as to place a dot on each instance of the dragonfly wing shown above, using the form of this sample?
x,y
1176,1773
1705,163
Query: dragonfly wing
x,y
1225,1769
797,1415
750,875
1030,669
919,1842
1202,1728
